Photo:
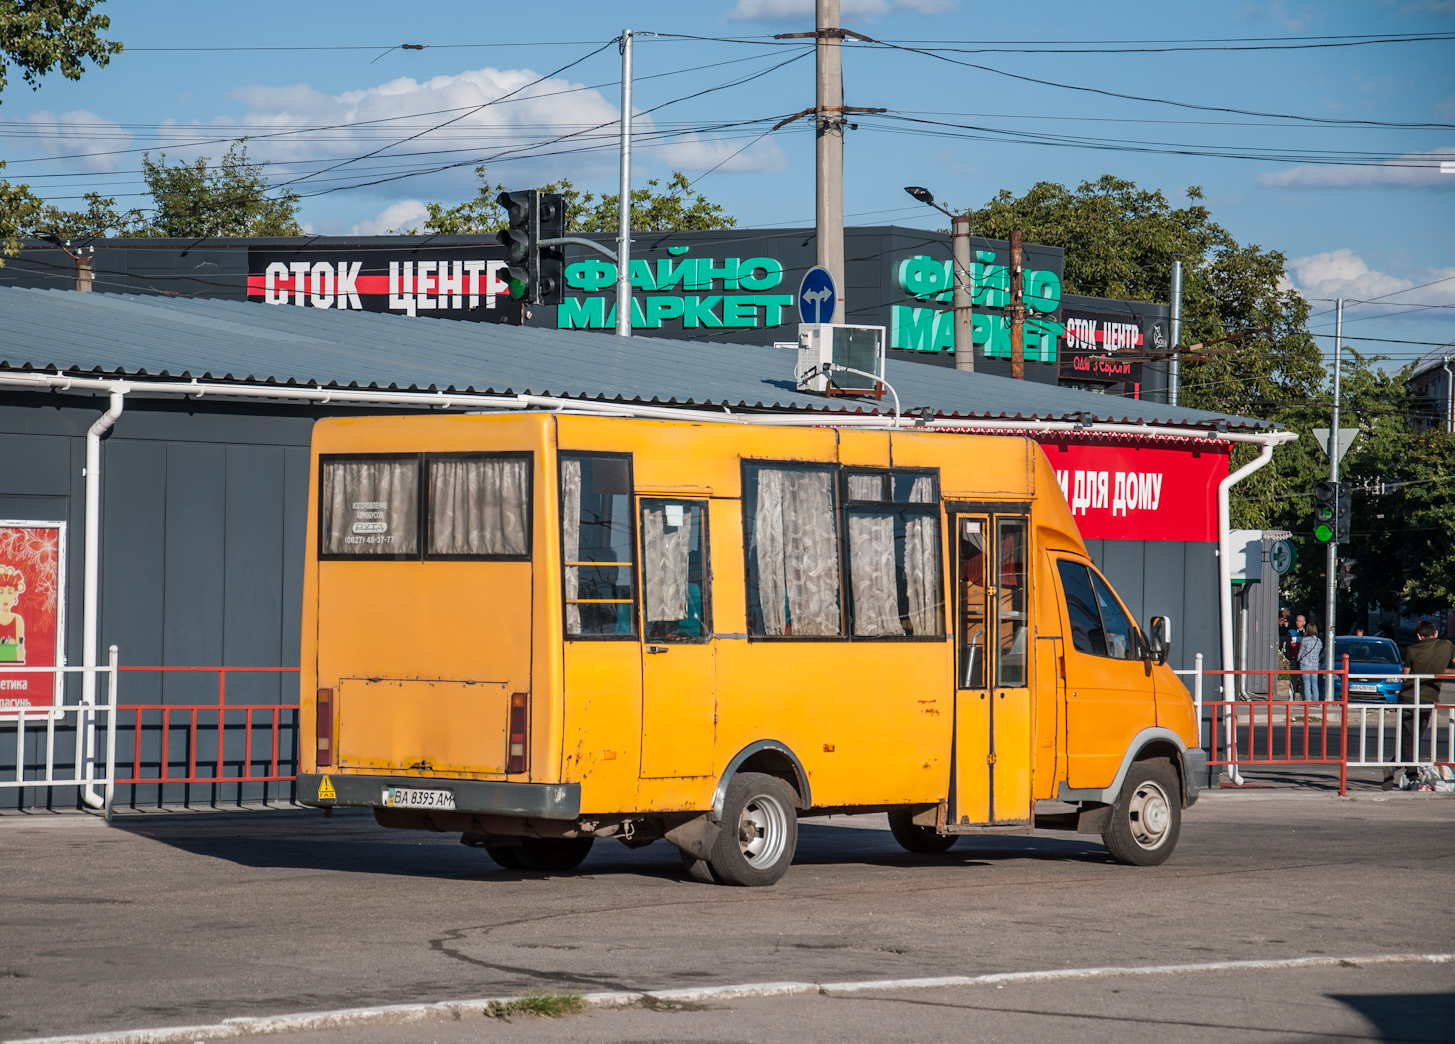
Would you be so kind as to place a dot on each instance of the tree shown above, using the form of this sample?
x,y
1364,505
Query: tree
x,y
1120,241
652,211
37,36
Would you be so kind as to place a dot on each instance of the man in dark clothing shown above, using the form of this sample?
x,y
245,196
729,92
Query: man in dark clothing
x,y
1428,655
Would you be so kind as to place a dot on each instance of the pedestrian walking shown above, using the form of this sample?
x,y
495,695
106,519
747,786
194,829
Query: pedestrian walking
x,y
1428,655
1295,681
1310,648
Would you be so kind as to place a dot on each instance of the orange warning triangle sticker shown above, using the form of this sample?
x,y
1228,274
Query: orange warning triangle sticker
x,y
326,791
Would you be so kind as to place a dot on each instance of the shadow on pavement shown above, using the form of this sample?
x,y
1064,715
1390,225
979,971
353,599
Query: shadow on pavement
x,y
1406,1016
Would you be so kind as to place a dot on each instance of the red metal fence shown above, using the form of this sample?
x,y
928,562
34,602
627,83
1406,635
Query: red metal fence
x,y
200,742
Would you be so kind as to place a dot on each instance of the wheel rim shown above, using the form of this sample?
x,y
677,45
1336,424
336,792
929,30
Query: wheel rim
x,y
1150,815
762,831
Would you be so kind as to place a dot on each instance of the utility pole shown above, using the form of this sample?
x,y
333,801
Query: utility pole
x,y
963,294
1332,562
1174,368
829,226
624,220
1017,309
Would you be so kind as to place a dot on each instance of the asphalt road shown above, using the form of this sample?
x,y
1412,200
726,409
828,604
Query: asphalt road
x,y
180,920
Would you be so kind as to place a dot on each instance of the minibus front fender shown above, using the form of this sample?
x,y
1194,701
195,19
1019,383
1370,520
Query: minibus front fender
x,y
771,757
1153,742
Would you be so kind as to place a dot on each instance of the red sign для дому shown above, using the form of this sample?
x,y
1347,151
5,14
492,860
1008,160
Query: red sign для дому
x,y
1140,492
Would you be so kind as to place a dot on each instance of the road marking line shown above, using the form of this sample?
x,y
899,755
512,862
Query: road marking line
x,y
397,1014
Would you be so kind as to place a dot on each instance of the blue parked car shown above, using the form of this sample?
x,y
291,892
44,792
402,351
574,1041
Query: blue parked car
x,y
1369,656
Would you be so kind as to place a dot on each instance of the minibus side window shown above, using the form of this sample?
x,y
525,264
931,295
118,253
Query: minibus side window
x,y
894,555
369,507
596,546
1099,625
675,596
792,545
1121,636
479,507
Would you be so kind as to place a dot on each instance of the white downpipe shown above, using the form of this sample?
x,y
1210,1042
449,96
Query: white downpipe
x,y
92,583
1225,586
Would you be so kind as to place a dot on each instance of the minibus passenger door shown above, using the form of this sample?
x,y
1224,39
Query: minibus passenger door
x,y
679,703
992,698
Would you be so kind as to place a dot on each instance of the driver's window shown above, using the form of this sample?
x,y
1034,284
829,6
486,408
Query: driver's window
x,y
1099,624
1121,636
675,597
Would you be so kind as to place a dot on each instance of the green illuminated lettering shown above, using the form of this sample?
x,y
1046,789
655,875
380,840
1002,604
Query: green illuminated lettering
x,y
728,273
659,308
772,275
1043,291
638,320
642,275
669,275
773,305
740,311
581,313
912,329
590,275
698,311
992,331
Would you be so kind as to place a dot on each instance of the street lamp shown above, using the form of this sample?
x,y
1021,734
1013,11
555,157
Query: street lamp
x,y
964,277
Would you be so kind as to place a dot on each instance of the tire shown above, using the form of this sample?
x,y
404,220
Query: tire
x,y
698,869
921,840
553,854
1147,817
507,857
759,831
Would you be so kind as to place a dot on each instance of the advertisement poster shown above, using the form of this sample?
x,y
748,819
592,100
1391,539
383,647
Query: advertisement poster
x,y
32,613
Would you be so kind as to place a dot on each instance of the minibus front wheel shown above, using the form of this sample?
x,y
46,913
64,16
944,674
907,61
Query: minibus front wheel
x,y
1147,816
759,831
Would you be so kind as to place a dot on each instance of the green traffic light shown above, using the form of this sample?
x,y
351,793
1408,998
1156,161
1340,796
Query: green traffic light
x,y
1323,532
516,286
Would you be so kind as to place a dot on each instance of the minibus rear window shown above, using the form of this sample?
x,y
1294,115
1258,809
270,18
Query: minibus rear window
x,y
792,547
598,570
369,507
479,507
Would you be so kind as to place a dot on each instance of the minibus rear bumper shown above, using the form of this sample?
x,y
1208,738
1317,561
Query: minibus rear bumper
x,y
1194,769
535,800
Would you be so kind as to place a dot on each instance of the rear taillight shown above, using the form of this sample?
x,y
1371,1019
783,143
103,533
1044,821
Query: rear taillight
x,y
515,761
324,713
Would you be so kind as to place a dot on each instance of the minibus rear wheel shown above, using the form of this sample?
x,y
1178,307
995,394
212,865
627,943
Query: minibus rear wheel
x,y
1147,817
546,854
759,831
921,840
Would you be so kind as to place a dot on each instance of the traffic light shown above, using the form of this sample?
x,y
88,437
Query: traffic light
x,y
1343,512
1333,510
1326,511
533,272
1346,574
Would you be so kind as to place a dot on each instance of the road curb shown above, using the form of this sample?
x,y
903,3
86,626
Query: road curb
x,y
400,1014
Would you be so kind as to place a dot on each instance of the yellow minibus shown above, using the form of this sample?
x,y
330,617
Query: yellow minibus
x,y
543,629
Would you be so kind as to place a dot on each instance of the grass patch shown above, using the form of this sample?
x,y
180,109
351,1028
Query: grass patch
x,y
549,1005
1347,964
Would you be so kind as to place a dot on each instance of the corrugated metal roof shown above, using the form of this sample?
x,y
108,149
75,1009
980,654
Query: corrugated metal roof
x,y
112,334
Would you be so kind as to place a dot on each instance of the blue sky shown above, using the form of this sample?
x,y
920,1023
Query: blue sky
x,y
1380,228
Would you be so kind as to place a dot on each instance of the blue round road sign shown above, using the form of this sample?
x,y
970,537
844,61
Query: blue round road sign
x,y
817,296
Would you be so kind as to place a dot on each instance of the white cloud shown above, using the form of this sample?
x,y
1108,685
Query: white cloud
x,y
798,10
80,133
407,215
1343,273
701,153
362,121
1413,170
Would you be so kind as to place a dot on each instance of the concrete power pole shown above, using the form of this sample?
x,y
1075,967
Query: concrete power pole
x,y
964,292
829,225
1017,308
1174,368
1332,561
624,221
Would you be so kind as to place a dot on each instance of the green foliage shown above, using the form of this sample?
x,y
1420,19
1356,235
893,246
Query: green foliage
x,y
673,210
40,35
37,36
1120,241
550,1005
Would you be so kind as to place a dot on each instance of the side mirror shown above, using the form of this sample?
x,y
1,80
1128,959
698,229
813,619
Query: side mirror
x,y
1160,638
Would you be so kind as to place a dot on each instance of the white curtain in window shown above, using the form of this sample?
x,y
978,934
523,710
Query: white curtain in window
x,y
871,571
664,567
866,487
798,565
571,539
922,562
371,507
478,507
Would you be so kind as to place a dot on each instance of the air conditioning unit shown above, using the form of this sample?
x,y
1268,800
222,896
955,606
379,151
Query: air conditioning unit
x,y
853,348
